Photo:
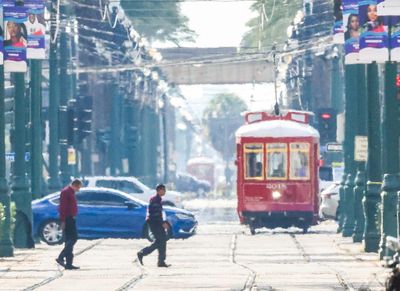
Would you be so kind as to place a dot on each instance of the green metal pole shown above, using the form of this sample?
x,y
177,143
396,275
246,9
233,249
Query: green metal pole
x,y
337,85
54,102
164,112
115,147
351,77
6,245
20,185
65,95
360,178
374,172
391,179
342,205
36,142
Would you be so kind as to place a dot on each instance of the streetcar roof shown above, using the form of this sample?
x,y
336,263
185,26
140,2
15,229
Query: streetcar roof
x,y
277,128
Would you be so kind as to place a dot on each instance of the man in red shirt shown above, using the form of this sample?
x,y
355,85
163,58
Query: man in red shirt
x,y
68,210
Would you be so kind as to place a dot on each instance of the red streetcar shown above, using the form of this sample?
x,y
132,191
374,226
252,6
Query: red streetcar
x,y
277,160
202,168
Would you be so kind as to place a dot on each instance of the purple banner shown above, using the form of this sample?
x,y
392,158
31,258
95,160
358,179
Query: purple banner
x,y
351,31
374,38
395,39
36,29
1,33
15,39
338,31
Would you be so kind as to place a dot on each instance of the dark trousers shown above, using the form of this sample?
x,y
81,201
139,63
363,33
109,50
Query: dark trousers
x,y
160,242
71,236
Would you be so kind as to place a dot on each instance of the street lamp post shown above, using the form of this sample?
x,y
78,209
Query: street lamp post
x,y
6,246
20,184
374,174
390,148
360,178
351,77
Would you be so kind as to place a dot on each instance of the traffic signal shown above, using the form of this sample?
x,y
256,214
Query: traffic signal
x,y
327,125
84,116
398,81
72,121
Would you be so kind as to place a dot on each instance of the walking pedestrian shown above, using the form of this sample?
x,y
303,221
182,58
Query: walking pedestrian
x,y
158,227
68,210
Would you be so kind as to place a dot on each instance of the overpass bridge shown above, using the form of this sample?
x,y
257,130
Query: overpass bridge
x,y
223,65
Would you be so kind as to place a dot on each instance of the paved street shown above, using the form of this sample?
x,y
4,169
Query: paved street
x,y
222,256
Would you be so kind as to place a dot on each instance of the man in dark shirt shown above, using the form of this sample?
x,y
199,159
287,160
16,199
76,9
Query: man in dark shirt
x,y
158,227
68,210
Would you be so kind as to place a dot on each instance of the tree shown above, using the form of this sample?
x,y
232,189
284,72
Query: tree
x,y
159,20
222,118
274,17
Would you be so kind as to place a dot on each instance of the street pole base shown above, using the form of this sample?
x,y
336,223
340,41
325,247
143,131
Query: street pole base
x,y
6,250
357,237
371,245
347,232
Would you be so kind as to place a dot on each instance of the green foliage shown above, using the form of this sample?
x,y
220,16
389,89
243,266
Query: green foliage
x,y
278,18
3,218
159,20
222,118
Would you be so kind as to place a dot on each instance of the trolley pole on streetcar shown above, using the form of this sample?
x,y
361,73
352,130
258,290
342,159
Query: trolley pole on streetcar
x,y
361,161
351,79
374,174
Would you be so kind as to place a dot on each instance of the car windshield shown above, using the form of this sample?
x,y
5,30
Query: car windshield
x,y
332,188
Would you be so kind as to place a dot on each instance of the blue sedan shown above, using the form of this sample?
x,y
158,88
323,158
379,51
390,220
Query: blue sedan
x,y
106,213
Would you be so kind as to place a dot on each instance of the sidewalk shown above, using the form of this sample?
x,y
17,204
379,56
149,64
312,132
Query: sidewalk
x,y
201,262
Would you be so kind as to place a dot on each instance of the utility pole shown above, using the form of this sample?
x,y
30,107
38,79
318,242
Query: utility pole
x,y
374,174
53,182
6,245
116,126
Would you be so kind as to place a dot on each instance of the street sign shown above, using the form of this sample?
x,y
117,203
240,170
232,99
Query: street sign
x,y
71,156
334,147
361,148
11,156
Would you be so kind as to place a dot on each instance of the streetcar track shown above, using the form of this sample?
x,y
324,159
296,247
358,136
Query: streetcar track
x,y
60,271
132,282
251,278
307,258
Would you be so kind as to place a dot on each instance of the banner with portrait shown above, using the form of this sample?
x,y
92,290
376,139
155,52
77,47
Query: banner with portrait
x,y
351,31
338,31
374,37
36,29
15,38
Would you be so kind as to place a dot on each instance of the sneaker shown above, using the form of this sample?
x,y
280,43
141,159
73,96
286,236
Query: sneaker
x,y
60,262
140,258
72,267
164,265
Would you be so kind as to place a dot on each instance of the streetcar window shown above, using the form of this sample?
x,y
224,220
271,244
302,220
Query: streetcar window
x,y
253,157
276,161
299,161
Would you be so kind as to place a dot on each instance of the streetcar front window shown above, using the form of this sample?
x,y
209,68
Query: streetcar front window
x,y
276,161
254,159
299,161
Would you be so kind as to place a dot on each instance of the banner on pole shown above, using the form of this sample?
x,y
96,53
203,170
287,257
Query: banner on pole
x,y
388,7
338,31
351,31
36,29
15,38
374,38
1,33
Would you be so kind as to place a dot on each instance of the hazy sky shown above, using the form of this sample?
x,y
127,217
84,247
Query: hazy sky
x,y
217,23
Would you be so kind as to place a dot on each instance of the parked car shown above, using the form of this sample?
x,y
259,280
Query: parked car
x,y
330,201
188,183
134,187
106,213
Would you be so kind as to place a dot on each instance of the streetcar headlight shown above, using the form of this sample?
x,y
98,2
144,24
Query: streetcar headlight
x,y
276,195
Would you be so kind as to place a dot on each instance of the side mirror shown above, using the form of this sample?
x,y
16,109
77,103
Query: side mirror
x,y
130,204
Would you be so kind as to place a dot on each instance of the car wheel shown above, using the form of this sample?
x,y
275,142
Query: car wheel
x,y
150,236
51,232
